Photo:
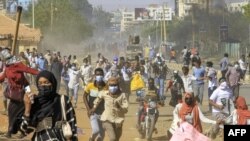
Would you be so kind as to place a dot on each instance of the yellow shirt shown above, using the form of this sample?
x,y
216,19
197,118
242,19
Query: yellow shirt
x,y
93,93
146,52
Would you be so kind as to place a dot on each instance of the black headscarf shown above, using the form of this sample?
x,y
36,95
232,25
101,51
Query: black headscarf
x,y
45,106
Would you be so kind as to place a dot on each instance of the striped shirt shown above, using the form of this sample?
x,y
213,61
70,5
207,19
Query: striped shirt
x,y
53,133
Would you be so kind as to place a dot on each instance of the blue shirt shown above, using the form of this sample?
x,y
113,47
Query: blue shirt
x,y
224,64
42,64
151,53
198,73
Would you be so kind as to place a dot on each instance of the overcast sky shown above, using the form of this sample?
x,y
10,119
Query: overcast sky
x,y
110,5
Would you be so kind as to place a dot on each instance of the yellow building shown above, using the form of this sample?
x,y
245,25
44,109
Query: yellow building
x,y
27,37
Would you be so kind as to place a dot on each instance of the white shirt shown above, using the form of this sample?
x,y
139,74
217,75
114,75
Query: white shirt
x,y
48,57
32,61
125,74
212,83
243,65
74,77
176,118
212,73
86,72
220,95
184,52
233,119
188,81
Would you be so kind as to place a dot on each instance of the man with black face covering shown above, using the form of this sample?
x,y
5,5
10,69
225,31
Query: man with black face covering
x,y
91,92
177,88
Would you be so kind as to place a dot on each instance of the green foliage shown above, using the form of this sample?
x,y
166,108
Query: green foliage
x,y
101,20
206,28
68,25
247,11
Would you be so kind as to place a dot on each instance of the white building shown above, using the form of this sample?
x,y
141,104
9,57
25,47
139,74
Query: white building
x,y
128,19
237,5
183,7
156,12
116,20
2,5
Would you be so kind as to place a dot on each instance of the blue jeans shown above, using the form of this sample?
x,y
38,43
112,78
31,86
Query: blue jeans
x,y
161,83
97,129
74,93
198,92
145,79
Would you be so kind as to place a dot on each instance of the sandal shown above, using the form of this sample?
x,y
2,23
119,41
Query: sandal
x,y
6,135
21,136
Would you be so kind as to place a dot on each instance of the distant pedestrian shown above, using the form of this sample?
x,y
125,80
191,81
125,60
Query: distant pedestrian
x,y
243,65
233,76
198,86
224,63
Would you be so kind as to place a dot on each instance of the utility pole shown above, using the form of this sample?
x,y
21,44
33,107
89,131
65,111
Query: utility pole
x,y
193,22
249,38
156,30
164,24
161,29
51,15
33,14
207,6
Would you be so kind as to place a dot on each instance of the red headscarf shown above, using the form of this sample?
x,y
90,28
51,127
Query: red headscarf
x,y
242,111
186,109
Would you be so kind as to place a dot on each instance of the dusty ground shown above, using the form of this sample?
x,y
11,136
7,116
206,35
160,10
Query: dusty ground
x,y
129,131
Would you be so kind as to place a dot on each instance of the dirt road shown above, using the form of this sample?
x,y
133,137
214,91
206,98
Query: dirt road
x,y
129,131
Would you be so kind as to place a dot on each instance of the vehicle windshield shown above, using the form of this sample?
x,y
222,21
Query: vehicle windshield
x,y
134,48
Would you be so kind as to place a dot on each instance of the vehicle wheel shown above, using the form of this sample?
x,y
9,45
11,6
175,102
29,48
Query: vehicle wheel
x,y
151,128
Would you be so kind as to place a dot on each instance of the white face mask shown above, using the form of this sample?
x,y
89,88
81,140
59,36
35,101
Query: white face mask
x,y
236,66
223,85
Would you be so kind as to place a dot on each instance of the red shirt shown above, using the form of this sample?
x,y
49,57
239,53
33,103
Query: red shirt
x,y
15,75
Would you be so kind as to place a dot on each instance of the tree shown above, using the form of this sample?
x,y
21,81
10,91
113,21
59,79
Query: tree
x,y
59,19
206,28
83,7
246,9
101,20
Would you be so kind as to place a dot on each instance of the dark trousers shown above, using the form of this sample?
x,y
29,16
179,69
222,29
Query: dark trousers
x,y
15,110
236,91
223,73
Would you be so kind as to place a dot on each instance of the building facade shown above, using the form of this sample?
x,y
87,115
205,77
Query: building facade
x,y
128,20
116,21
183,7
237,6
2,5
160,12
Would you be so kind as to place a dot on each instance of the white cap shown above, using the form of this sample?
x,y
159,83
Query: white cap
x,y
6,53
